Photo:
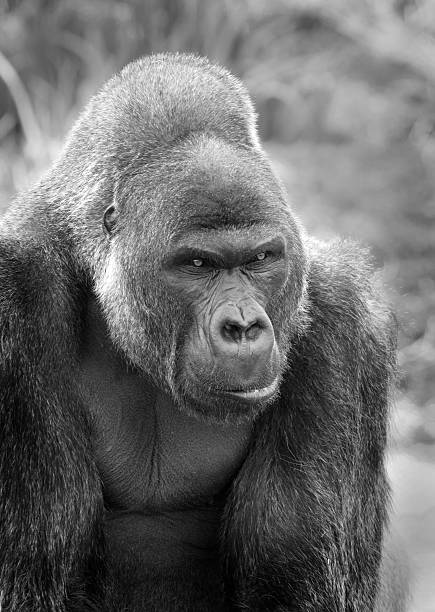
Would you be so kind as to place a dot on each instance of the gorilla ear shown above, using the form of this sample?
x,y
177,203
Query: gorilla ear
x,y
110,218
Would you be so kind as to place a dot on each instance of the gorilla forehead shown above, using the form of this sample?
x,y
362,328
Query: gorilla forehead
x,y
218,185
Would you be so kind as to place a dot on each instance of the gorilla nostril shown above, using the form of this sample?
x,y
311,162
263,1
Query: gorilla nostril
x,y
238,332
253,331
232,331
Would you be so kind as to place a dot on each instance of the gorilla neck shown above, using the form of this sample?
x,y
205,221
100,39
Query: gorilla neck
x,y
153,459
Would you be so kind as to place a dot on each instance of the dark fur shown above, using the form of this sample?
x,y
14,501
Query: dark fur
x,y
303,521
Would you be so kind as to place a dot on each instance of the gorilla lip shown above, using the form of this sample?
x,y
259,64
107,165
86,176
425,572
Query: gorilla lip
x,y
256,394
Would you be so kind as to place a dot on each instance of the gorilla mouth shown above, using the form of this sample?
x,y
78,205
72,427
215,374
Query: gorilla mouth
x,y
255,394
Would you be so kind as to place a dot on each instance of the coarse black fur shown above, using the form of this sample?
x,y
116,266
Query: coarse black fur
x,y
85,307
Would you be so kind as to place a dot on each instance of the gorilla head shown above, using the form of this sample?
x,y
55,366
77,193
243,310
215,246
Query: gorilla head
x,y
197,261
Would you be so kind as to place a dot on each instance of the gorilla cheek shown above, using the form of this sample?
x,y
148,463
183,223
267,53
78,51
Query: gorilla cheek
x,y
197,353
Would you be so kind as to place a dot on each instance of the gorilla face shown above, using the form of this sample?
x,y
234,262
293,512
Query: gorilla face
x,y
204,283
226,279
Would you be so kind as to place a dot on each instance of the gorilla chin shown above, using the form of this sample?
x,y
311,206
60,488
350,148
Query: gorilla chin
x,y
226,405
254,395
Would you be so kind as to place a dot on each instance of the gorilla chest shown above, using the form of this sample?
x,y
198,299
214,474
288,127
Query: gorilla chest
x,y
164,473
153,458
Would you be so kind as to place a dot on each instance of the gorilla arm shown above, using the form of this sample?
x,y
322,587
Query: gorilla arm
x,y
309,506
49,488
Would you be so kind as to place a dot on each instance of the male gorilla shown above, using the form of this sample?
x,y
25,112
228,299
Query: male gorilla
x,y
193,394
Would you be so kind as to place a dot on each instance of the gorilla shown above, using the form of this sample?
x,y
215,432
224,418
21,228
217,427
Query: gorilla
x,y
193,392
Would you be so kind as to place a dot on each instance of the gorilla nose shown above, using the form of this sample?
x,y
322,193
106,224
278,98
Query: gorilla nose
x,y
238,332
248,337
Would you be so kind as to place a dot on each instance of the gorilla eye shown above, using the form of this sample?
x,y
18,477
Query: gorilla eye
x,y
260,260
198,263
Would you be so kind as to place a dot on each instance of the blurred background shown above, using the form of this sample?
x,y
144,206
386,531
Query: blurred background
x,y
345,91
